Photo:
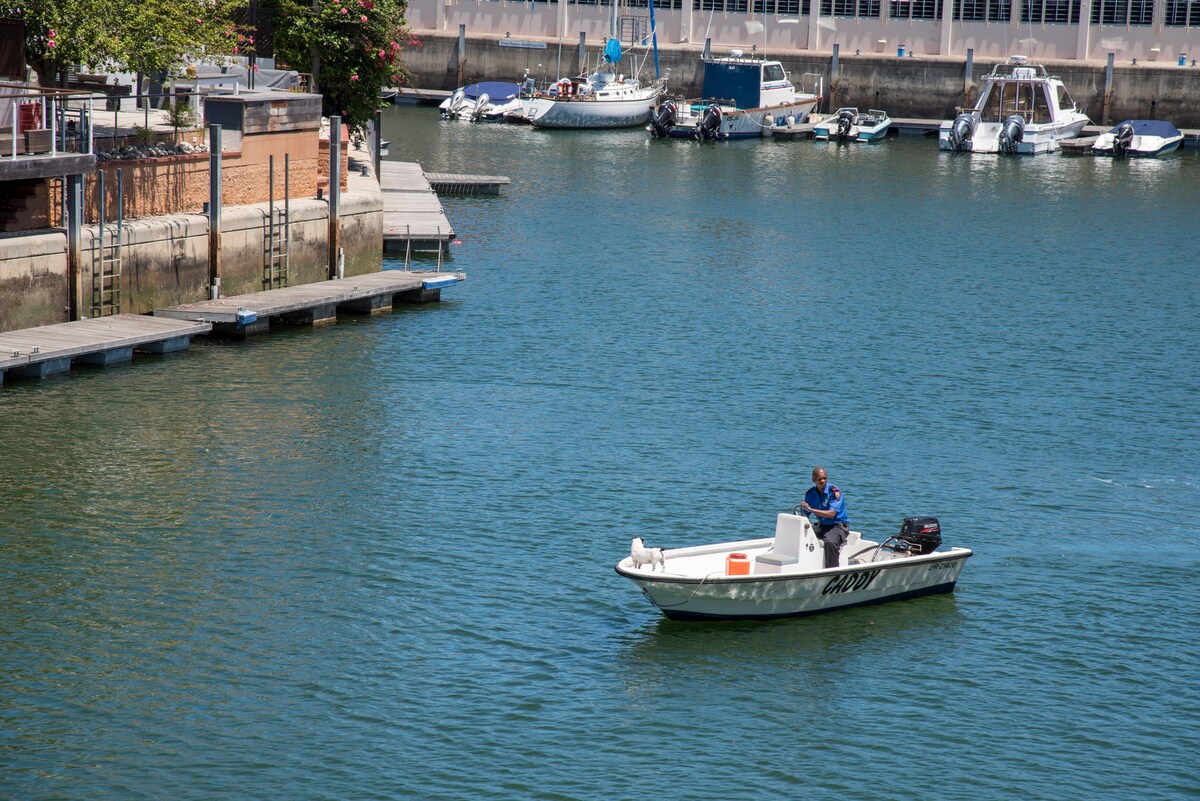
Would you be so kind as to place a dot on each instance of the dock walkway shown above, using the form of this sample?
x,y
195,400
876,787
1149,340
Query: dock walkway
x,y
314,304
413,216
50,349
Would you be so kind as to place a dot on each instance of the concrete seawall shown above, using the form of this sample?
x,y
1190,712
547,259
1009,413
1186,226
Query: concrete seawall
x,y
925,87
164,260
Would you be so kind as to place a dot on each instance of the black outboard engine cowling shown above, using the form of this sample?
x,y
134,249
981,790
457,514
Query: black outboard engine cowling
x,y
663,119
1122,139
1012,133
961,131
844,123
920,534
710,124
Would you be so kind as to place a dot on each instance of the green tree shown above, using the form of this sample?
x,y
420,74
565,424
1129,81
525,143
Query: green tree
x,y
135,35
358,44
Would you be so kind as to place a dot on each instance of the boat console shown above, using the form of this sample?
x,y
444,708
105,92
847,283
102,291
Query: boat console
x,y
796,547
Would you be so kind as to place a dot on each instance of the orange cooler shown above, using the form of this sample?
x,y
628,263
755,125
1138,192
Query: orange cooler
x,y
737,564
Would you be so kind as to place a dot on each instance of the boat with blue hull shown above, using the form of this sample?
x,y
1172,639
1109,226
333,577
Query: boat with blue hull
x,y
1140,138
743,98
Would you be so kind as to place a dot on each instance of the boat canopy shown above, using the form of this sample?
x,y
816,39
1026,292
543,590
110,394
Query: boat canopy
x,y
739,82
1150,128
498,91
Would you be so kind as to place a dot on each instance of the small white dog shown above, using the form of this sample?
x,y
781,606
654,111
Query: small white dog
x,y
641,555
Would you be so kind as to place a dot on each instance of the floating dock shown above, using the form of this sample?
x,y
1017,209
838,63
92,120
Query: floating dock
x,y
240,316
444,183
413,217
50,349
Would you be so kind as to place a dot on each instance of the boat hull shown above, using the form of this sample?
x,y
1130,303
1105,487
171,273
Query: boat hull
x,y
776,595
582,113
1145,147
742,123
1037,139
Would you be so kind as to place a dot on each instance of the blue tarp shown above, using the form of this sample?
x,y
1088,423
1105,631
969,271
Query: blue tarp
x,y
612,51
1151,128
497,91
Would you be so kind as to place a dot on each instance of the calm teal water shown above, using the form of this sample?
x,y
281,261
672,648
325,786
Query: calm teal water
x,y
375,561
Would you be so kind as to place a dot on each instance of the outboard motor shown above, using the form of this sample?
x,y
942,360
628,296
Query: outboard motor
x,y
1122,139
961,131
663,120
920,534
480,105
710,123
844,123
456,100
1011,133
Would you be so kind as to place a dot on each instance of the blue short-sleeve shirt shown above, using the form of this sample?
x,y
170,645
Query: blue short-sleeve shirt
x,y
831,498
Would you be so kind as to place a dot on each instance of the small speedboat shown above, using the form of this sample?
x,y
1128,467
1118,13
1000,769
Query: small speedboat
x,y
851,125
1143,138
785,576
487,101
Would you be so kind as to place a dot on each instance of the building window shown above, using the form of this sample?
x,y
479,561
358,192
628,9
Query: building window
x,y
850,8
980,10
1051,11
1122,12
782,8
1183,13
916,9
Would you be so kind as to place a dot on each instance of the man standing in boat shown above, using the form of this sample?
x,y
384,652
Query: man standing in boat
x,y
825,502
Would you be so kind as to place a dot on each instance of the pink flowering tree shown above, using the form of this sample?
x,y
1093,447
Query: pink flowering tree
x,y
358,44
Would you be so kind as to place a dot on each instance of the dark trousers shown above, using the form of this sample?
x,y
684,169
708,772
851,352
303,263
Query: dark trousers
x,y
833,537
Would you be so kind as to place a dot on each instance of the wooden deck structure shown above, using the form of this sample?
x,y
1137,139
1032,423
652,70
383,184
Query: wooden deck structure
x,y
413,217
49,349
314,304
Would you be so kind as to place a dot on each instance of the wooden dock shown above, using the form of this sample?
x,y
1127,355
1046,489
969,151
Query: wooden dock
x,y
50,349
445,183
413,217
314,304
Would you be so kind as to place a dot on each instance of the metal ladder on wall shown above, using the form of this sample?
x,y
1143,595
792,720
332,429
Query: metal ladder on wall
x,y
106,255
276,243
275,250
106,273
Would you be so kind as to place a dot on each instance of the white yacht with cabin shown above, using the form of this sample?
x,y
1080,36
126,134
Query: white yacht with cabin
x,y
1021,109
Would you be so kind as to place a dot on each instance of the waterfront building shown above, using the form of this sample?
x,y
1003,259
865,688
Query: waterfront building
x,y
1154,31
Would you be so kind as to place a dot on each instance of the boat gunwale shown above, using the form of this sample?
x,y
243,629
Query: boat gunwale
x,y
954,554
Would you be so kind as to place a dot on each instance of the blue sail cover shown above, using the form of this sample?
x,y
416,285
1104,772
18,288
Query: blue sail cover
x,y
497,91
733,81
612,51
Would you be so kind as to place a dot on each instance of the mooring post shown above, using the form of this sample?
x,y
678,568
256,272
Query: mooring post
x,y
462,50
1108,75
74,193
335,192
378,144
214,211
833,78
968,89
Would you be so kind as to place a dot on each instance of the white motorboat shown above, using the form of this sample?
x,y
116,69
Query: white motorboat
x,y
1143,138
487,101
743,98
848,124
1021,109
784,575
